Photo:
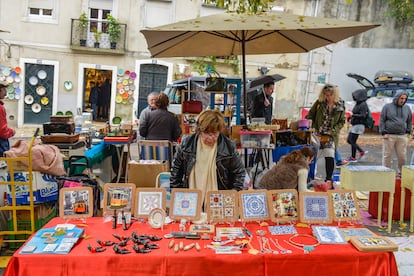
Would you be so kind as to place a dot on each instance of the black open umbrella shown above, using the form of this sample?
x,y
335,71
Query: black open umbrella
x,y
260,81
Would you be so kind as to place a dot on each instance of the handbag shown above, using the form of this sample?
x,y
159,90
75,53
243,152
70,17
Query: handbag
x,y
324,138
215,83
192,106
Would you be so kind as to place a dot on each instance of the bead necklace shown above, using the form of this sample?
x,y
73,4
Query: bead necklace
x,y
306,247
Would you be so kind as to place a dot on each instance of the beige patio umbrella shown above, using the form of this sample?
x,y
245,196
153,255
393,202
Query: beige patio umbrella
x,y
229,34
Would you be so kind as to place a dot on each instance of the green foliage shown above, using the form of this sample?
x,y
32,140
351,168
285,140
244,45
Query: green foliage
x,y
202,64
242,6
233,61
83,23
96,34
401,10
114,28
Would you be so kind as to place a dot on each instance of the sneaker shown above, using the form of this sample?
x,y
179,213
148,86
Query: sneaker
x,y
352,159
362,154
342,163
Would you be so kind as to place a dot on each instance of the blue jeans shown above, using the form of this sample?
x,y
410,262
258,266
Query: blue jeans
x,y
4,146
338,157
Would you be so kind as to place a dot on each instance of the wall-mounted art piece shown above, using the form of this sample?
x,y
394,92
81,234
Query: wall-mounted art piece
x,y
147,199
222,206
76,202
283,205
315,207
118,196
185,204
344,205
253,205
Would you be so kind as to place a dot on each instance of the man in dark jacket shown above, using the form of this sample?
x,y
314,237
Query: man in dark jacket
x,y
395,126
263,103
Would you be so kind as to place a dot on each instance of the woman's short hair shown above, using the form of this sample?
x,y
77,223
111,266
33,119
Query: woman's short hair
x,y
210,121
162,101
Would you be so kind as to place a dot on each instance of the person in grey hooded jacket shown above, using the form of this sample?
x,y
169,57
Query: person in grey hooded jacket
x,y
395,126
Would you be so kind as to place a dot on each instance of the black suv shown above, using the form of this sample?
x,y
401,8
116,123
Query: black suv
x,y
388,83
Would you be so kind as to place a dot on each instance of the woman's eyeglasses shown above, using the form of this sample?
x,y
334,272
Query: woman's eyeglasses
x,y
328,87
210,134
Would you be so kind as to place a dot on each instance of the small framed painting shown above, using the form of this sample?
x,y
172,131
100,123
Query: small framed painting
x,y
118,196
344,205
185,204
283,205
328,234
147,199
253,205
76,202
222,206
315,207
371,244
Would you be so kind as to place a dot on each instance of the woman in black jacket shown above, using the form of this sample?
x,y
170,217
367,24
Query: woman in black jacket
x,y
208,160
359,114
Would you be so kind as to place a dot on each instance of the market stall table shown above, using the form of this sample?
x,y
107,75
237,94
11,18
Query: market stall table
x,y
407,181
346,260
374,179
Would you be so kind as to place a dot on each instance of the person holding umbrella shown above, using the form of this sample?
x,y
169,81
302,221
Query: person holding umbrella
x,y
263,103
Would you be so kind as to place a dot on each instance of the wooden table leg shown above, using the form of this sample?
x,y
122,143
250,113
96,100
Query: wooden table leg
x,y
380,196
390,210
412,212
402,204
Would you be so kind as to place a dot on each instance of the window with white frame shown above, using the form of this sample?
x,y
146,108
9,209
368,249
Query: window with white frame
x,y
98,12
158,13
42,10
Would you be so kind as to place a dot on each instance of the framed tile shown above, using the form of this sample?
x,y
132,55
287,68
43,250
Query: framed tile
x,y
253,205
283,205
344,205
315,207
328,234
147,199
118,196
355,232
222,206
76,202
372,244
185,204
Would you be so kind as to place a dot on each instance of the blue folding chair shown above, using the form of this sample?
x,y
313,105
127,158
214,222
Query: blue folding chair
x,y
155,150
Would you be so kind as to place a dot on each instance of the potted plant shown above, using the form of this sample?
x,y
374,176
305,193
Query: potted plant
x,y
97,36
114,30
83,25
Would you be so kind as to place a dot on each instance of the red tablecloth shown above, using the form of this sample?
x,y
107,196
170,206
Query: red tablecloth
x,y
343,259
373,203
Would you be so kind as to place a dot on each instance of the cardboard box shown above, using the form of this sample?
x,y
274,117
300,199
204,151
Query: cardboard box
x,y
45,188
41,211
255,139
145,174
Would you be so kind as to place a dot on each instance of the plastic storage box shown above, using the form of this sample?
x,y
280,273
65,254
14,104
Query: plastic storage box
x,y
255,139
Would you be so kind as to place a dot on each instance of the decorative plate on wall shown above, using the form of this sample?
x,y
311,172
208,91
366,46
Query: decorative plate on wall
x,y
41,90
36,108
28,99
33,80
41,74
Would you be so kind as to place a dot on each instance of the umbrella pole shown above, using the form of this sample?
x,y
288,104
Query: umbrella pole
x,y
244,79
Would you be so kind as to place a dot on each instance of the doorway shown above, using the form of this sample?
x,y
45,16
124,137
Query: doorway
x,y
101,82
